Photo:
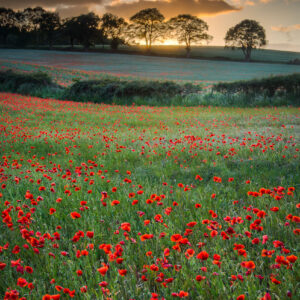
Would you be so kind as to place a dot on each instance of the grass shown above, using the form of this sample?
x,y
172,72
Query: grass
x,y
145,67
204,52
60,157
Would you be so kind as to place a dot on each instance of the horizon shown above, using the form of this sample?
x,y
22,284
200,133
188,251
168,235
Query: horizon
x,y
280,21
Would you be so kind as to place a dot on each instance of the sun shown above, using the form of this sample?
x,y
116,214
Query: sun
x,y
170,42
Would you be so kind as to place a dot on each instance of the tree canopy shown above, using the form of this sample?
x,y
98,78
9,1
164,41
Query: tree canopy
x,y
188,30
247,35
148,25
113,28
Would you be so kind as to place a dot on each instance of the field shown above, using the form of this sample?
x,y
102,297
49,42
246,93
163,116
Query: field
x,y
138,66
210,52
137,202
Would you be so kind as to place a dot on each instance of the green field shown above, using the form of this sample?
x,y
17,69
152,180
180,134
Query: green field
x,y
139,202
144,67
211,52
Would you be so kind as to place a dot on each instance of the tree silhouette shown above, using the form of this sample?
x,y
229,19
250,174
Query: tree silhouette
x,y
32,20
247,35
113,28
188,30
49,23
148,25
87,29
7,23
69,29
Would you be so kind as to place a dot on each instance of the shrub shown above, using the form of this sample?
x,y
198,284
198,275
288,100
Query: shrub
x,y
14,80
285,85
110,89
35,84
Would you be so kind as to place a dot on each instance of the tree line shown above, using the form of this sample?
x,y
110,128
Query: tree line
x,y
36,26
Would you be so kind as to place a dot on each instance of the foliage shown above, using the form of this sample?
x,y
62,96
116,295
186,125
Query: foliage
x,y
188,30
247,35
14,79
112,89
8,20
87,29
148,25
35,84
113,28
284,85
50,22
143,92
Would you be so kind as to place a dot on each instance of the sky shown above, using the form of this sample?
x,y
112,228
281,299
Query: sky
x,y
280,18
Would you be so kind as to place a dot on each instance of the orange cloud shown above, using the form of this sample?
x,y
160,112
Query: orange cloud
x,y
172,8
286,29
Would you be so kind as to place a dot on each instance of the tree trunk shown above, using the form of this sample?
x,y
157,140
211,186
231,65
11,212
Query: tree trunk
x,y
248,55
50,43
188,51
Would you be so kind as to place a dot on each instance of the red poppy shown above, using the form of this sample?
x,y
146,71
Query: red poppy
x,y
75,215
203,255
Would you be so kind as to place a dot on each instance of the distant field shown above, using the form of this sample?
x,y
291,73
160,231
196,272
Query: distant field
x,y
164,68
266,55
221,52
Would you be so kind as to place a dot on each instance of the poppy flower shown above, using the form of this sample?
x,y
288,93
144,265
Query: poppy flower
x,y
75,215
248,264
191,224
292,258
203,255
146,237
122,272
176,238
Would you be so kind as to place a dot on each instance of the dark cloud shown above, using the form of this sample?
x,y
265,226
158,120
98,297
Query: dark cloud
x,y
169,8
172,7
19,4
71,11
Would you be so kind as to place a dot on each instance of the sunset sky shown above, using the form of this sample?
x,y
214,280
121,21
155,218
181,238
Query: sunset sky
x,y
279,17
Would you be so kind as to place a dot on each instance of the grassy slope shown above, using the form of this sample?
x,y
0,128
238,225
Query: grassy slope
x,y
163,68
216,52
50,140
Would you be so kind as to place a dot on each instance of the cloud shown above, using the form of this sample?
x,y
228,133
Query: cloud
x,y
72,10
170,8
19,4
286,29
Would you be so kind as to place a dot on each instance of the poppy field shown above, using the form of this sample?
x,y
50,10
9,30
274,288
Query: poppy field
x,y
136,202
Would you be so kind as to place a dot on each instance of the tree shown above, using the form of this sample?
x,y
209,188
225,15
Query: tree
x,y
147,24
32,18
87,29
247,35
7,23
112,28
188,30
69,29
50,22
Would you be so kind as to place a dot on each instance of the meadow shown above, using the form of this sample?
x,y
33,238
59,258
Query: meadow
x,y
201,52
144,67
137,202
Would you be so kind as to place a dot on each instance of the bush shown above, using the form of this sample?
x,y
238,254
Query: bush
x,y
283,85
111,89
34,84
273,91
14,80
